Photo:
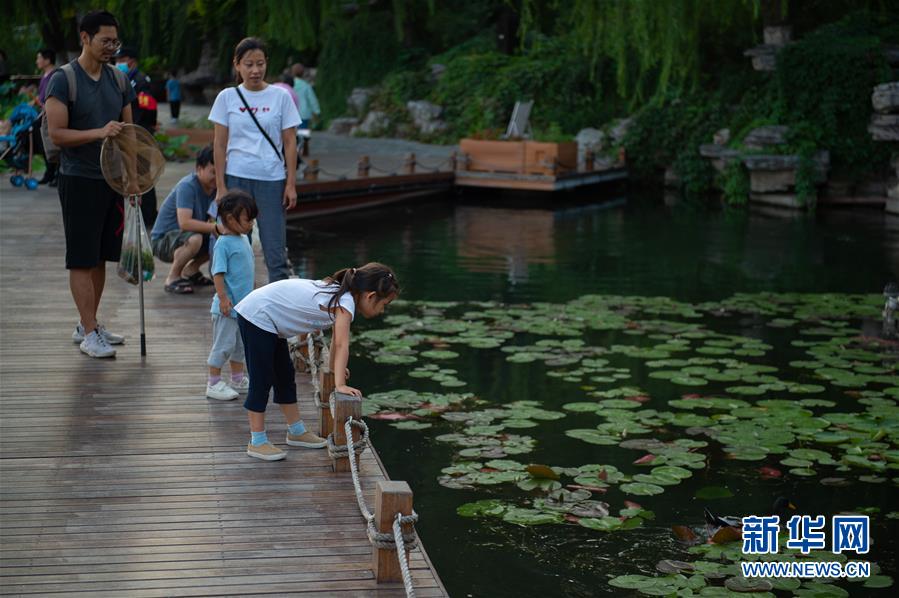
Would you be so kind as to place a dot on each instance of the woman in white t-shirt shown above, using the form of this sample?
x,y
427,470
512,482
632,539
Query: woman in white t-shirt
x,y
258,156
270,315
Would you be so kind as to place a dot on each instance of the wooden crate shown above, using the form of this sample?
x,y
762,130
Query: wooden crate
x,y
519,157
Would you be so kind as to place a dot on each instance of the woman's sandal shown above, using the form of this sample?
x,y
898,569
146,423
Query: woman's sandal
x,y
199,280
179,287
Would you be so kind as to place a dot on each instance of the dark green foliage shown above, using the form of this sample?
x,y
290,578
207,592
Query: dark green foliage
x,y
359,53
735,183
821,90
823,87
479,88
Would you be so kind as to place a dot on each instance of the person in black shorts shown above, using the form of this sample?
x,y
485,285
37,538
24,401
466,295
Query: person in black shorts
x,y
93,214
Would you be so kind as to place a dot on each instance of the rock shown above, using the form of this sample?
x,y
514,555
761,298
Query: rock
x,y
202,85
375,123
721,137
719,155
778,36
885,98
357,102
782,200
777,173
871,187
672,179
619,130
892,205
437,71
343,125
893,192
837,188
891,53
426,116
764,58
768,181
884,127
589,139
775,163
206,71
768,135
433,127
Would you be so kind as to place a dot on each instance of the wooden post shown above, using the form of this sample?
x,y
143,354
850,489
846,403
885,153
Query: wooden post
x,y
325,422
622,156
409,164
588,160
390,498
311,173
452,162
345,406
362,167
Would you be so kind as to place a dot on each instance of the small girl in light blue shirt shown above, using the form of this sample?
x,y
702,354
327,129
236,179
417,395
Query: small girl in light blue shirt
x,y
232,273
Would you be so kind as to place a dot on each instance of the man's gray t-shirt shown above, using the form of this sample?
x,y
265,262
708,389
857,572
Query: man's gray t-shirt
x,y
188,193
96,103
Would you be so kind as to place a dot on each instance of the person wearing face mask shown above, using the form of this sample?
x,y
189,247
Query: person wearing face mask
x,y
144,109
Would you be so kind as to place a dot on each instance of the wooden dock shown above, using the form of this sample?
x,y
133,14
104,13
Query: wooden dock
x,y
119,478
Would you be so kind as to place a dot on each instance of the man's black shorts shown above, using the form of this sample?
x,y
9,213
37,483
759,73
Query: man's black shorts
x,y
93,218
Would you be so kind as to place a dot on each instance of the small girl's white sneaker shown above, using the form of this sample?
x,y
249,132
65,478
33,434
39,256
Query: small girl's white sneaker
x,y
220,391
242,387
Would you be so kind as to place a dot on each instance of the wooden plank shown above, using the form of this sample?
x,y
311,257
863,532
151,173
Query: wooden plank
x,y
119,478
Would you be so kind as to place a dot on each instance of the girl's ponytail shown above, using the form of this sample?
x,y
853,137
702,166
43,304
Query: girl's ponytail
x,y
373,276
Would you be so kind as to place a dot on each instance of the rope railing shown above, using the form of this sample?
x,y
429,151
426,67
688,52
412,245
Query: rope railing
x,y
396,539
393,499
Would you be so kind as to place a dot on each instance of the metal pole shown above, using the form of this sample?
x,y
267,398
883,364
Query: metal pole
x,y
140,270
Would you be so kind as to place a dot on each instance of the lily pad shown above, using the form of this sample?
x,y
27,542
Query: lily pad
x,y
482,508
531,517
603,524
713,492
642,489
878,581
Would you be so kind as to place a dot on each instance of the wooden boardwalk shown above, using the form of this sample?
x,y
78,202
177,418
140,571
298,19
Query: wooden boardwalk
x,y
118,478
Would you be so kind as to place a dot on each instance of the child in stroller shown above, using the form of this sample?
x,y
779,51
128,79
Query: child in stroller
x,y
19,150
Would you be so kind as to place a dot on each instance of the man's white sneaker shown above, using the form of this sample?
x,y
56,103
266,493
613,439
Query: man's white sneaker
x,y
96,346
111,338
243,387
220,391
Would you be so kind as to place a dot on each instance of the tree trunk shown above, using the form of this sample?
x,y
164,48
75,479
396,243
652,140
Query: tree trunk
x,y
506,29
59,33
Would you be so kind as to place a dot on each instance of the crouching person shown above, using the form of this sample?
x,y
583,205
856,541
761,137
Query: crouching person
x,y
181,233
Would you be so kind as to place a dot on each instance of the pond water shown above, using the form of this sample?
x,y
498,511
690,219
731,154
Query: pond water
x,y
480,283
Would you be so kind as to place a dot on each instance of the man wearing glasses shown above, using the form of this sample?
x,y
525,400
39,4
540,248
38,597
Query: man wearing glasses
x,y
92,212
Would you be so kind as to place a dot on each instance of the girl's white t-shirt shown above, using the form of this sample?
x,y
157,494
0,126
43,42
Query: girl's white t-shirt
x,y
249,155
293,306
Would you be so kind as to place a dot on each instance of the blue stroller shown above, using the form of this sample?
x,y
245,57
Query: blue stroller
x,y
20,145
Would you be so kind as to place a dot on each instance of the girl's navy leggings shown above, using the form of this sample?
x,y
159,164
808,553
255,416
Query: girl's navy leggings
x,y
268,366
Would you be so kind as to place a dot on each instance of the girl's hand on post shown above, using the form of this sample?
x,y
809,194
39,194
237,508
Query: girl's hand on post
x,y
348,390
